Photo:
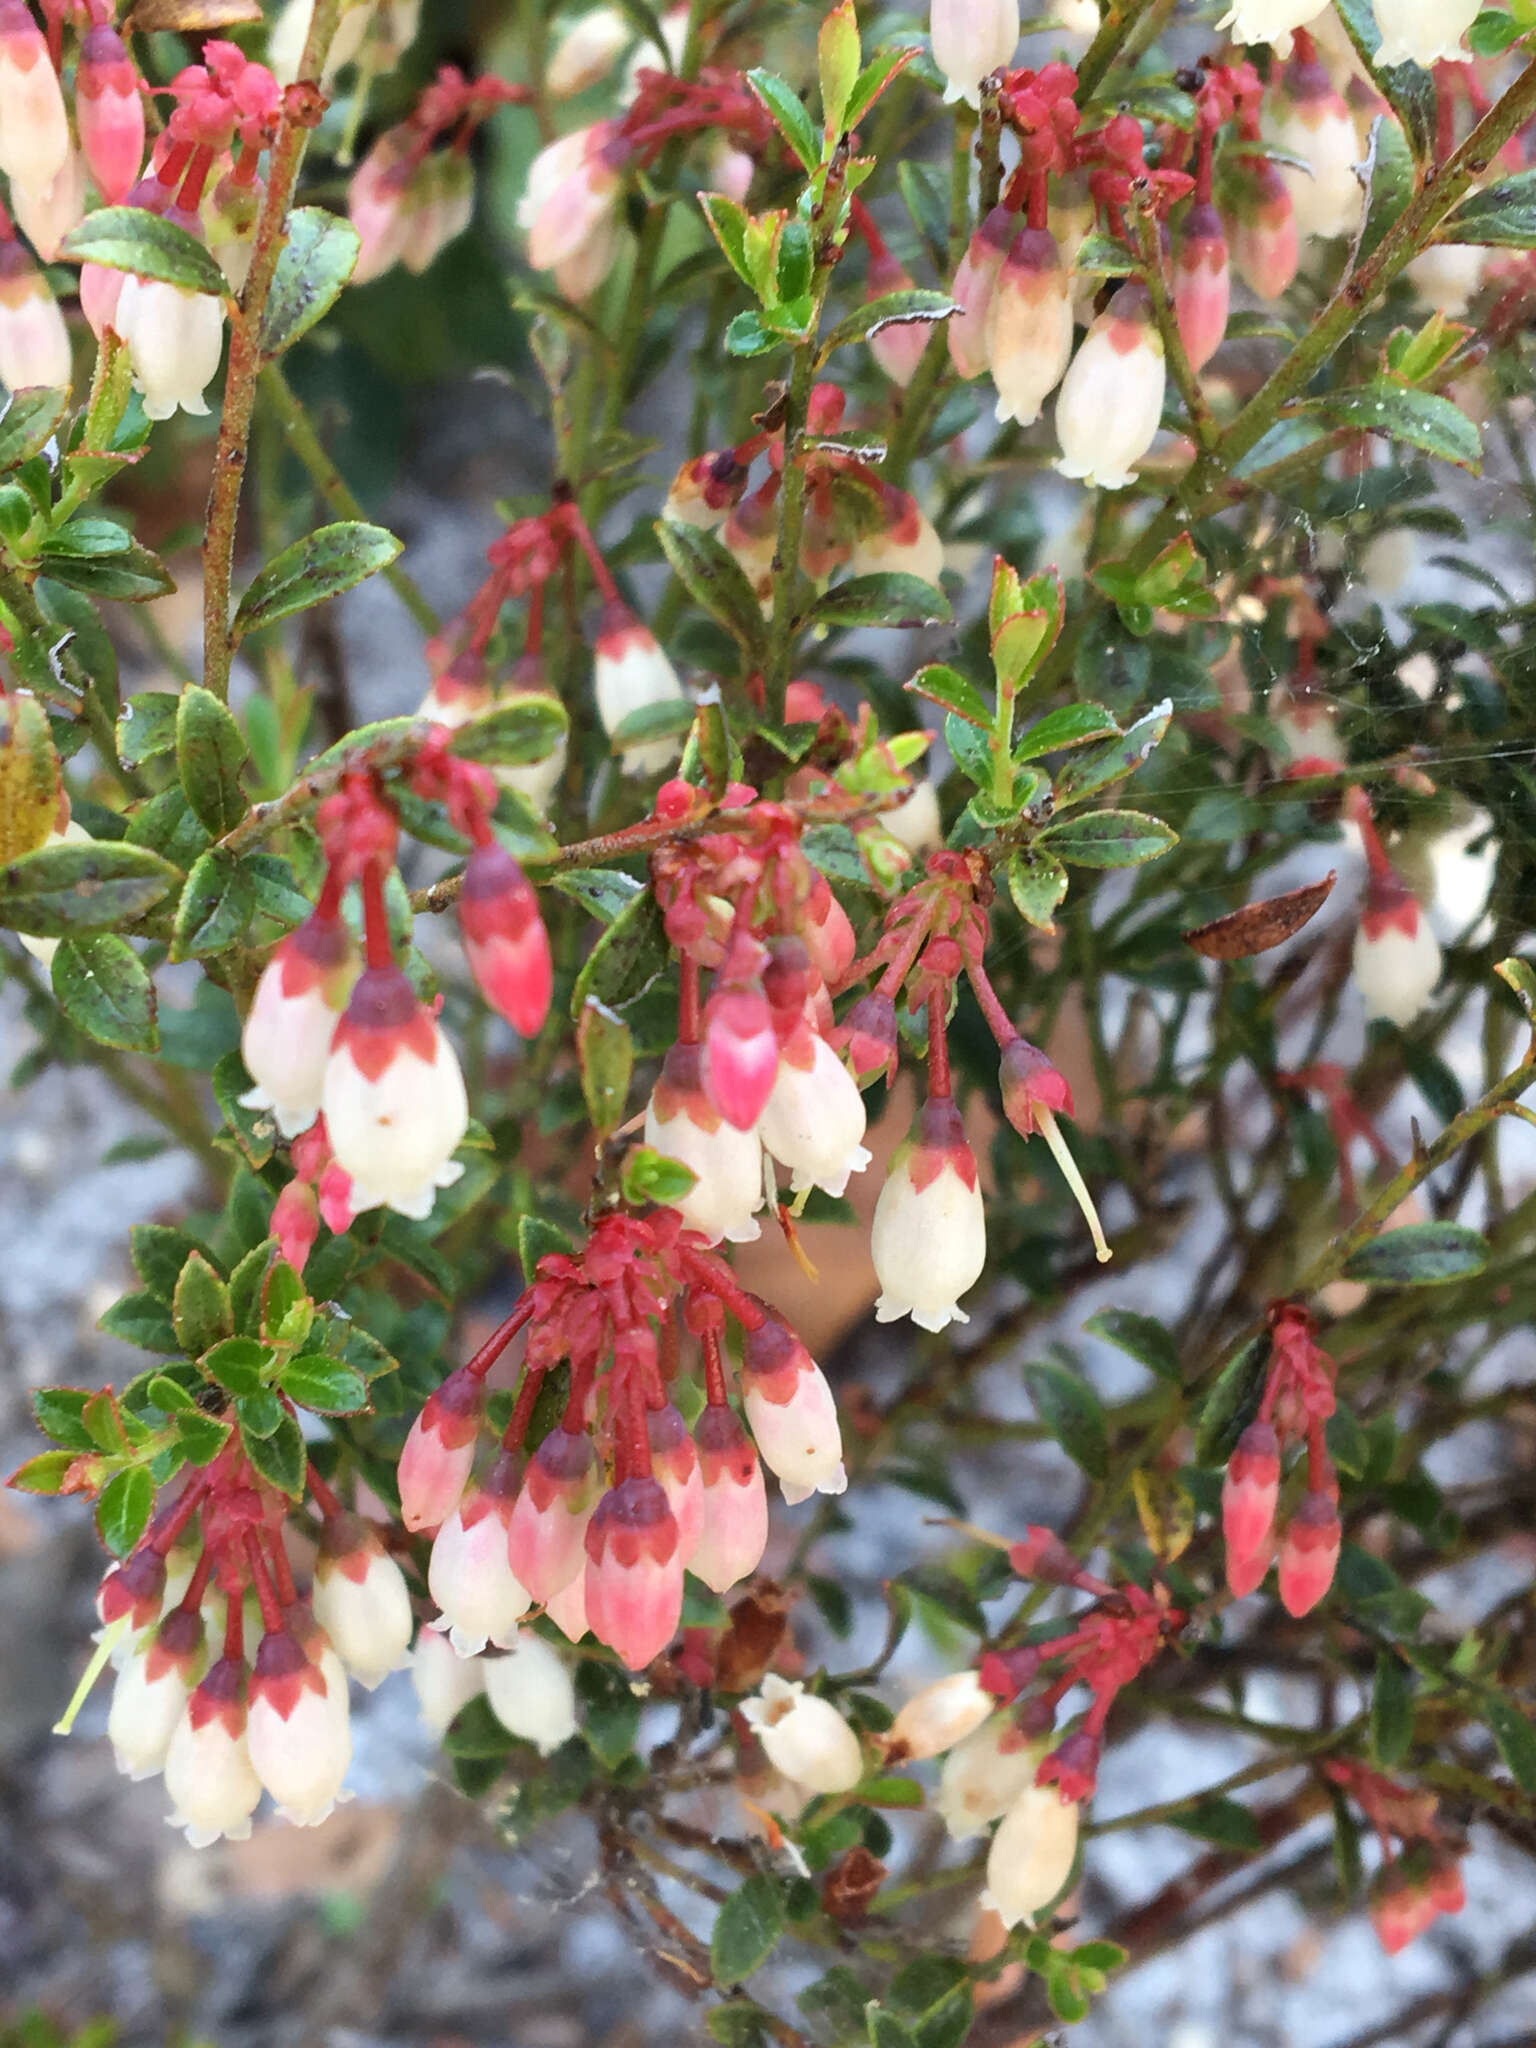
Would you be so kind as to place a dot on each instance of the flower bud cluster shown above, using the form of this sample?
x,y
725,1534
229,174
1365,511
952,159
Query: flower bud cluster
x,y
1420,1873
1297,1402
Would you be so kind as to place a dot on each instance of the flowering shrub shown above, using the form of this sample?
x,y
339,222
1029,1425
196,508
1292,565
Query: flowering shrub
x,y
765,894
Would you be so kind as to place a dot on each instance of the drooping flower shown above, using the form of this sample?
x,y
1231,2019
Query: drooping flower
x,y
682,1123
505,942
531,1692
361,1600
734,1534
46,214
1426,32
675,1464
814,1121
983,1776
299,1733
1201,282
971,39
630,674
740,1055
791,1412
634,1575
547,1533
1029,326
587,51
1309,1553
444,1682
804,1736
973,290
1270,21
469,1575
929,1236
1032,1854
174,337
1263,235
1111,399
34,127
286,1038
904,542
1446,276
1305,116
209,1776
439,1453
1397,959
568,207
393,1097
151,1693
940,1716
34,341
1249,1493
110,112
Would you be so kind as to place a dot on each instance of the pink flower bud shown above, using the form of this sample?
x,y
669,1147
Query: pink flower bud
x,y
905,543
586,52
898,346
34,127
567,1609
567,208
828,934
468,1574
110,113
938,1717
1309,1554
869,1034
1245,1575
299,1735
1111,399
973,289
1264,237
286,1038
175,339
376,205
505,942
1029,326
631,673
361,1600
1201,282
735,1523
741,1052
1030,1084
804,1736
634,1576
296,1222
547,1534
135,1588
1397,959
1401,1907
1072,1766
34,342
682,1124
531,1693
1032,1854
675,1464
971,39
1249,1493
705,489
393,1097
151,1693
791,1412
929,1236
814,1120
100,290
439,1453
443,1681
46,214
212,1784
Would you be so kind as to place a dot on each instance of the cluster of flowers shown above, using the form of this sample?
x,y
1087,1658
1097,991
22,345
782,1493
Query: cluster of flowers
x,y
409,198
1297,1402
1412,31
1415,1886
178,1613
346,1056
854,519
618,1497
630,671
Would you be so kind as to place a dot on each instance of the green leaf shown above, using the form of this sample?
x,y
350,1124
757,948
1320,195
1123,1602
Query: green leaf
x,y
610,1718
884,2030
1073,1413
649,1176
1500,216
955,692
1086,773
318,256
29,422
1224,1821
513,733
1232,1403
788,115
146,727
626,959
130,238
740,2024
104,989
714,579
1390,186
210,753
1493,32
320,566
747,1929
45,1473
139,1319
1037,883
881,600
892,309
932,1994
132,575
238,1365
1421,418
81,886
747,336
1391,1711
214,908
200,1438
1108,839
1513,1732
728,222
1408,89
323,1384
279,1457
837,66
260,1412
123,1511
57,1411
200,1309
30,777
873,80
603,892
1103,255
606,1052
159,1253
1419,1255
1140,1337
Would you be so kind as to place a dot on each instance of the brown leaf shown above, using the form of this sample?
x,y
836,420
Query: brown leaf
x,y
191,17
850,1885
1258,926
751,1642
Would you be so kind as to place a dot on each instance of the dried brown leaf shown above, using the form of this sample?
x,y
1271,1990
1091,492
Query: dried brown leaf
x,y
1259,926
